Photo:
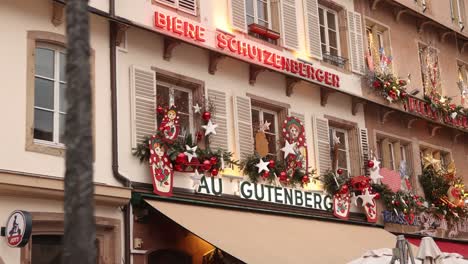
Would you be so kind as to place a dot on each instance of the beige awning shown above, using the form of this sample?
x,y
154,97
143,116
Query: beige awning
x,y
264,238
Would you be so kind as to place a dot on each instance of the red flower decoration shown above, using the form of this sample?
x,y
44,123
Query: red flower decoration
x,y
376,84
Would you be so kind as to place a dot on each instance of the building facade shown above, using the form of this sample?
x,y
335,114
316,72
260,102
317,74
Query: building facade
x,y
236,124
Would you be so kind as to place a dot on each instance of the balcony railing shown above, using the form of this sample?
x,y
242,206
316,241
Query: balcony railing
x,y
334,59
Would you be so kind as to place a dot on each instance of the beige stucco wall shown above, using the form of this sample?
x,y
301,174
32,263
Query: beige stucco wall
x,y
22,16
404,39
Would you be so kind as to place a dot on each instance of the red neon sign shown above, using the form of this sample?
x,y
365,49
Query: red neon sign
x,y
422,108
180,27
229,43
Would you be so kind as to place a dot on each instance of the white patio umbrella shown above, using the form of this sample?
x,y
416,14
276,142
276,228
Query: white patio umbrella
x,y
377,256
429,253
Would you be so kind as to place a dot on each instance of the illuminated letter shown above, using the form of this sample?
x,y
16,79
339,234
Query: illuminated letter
x,y
319,75
159,20
177,26
246,193
190,30
200,34
222,41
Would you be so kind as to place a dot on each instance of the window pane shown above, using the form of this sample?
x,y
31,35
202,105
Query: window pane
x,y
62,66
62,100
162,96
324,48
62,128
255,120
44,93
181,100
46,249
43,125
262,9
271,138
333,51
272,120
184,124
249,7
322,35
263,23
332,39
342,160
341,136
331,20
250,20
321,16
45,62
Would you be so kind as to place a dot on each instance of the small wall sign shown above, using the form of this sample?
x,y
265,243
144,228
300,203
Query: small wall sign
x,y
18,228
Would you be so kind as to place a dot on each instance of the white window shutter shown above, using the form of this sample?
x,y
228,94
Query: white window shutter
x,y
322,144
220,140
313,28
364,145
243,126
356,42
289,15
189,6
143,103
172,3
238,15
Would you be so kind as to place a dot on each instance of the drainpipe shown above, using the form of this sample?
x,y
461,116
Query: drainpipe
x,y
115,147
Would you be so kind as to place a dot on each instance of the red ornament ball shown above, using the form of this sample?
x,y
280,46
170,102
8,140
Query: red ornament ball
x,y
377,196
213,160
206,116
265,175
206,165
271,163
339,171
199,135
403,94
305,179
283,176
370,164
181,158
160,110
344,189
214,172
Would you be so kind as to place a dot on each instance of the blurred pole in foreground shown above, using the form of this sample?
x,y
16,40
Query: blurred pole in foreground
x,y
80,231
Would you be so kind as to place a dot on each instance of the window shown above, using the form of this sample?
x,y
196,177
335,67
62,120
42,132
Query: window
x,y
444,156
329,34
392,152
457,9
188,6
262,18
430,69
378,47
258,12
169,95
49,94
340,153
259,116
463,83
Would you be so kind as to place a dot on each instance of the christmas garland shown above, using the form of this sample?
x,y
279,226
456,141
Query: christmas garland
x,y
445,193
276,170
388,86
207,160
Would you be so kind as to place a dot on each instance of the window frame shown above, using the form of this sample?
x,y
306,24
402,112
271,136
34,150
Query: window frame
x,y
57,50
325,22
333,130
108,232
255,10
261,111
33,37
172,88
